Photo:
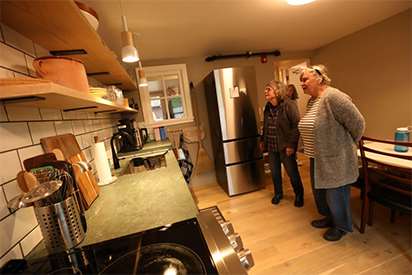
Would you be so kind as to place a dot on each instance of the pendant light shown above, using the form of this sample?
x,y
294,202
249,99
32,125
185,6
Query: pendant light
x,y
129,51
142,77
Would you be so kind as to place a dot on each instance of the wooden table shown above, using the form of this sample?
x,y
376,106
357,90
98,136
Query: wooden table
x,y
389,148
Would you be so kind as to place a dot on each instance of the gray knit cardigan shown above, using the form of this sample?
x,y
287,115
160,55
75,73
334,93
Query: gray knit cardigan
x,y
338,127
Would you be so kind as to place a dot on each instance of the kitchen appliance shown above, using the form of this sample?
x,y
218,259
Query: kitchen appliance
x,y
65,71
228,104
127,139
194,246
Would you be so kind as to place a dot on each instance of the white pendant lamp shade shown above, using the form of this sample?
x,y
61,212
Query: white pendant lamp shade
x,y
129,51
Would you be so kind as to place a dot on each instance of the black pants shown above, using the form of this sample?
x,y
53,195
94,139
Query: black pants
x,y
333,203
289,162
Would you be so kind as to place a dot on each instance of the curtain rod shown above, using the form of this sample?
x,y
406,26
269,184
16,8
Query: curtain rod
x,y
246,54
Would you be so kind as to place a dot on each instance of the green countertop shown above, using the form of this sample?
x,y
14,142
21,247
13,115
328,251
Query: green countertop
x,y
137,202
140,201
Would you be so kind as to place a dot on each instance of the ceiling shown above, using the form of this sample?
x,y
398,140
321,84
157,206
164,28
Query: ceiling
x,y
185,28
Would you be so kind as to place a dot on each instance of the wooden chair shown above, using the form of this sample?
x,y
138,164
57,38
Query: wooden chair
x,y
387,176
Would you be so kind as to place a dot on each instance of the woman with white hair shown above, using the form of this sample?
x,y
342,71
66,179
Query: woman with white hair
x,y
280,139
330,130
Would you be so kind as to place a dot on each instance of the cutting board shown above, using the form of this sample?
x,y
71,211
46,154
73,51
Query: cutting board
x,y
71,151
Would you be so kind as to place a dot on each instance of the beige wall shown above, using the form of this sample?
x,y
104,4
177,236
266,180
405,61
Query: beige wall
x,y
197,69
373,66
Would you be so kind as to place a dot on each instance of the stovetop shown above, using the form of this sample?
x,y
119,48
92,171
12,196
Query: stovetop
x,y
178,248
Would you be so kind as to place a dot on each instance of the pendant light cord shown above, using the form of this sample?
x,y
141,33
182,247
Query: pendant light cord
x,y
126,29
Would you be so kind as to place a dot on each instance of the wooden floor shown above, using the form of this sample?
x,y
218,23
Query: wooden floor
x,y
283,242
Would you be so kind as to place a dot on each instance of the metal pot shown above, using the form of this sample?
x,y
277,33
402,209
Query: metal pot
x,y
65,71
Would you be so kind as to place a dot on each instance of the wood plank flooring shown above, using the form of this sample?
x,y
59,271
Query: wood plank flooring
x,y
283,242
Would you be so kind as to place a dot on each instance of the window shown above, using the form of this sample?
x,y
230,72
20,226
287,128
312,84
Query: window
x,y
166,99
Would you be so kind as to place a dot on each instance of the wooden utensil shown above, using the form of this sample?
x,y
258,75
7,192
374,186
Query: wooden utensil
x,y
21,182
58,153
70,150
26,181
31,181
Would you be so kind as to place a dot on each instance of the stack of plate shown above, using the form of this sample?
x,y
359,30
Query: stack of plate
x,y
98,91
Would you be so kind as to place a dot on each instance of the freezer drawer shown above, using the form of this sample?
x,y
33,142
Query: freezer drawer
x,y
245,177
241,150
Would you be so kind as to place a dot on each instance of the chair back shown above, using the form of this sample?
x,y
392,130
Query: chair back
x,y
387,174
378,155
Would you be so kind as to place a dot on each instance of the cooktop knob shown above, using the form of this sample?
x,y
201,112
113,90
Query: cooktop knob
x,y
246,259
236,242
227,228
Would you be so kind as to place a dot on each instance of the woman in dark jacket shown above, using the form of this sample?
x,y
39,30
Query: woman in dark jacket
x,y
280,139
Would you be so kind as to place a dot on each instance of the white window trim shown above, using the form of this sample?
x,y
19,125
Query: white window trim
x,y
145,98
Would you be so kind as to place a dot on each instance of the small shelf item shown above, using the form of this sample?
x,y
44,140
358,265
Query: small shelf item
x,y
41,93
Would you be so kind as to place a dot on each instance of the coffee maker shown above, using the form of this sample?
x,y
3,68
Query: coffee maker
x,y
128,139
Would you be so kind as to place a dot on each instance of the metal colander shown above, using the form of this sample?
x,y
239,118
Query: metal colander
x,y
60,224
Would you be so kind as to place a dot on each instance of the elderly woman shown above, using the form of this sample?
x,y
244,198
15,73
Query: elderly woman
x,y
292,93
280,139
330,130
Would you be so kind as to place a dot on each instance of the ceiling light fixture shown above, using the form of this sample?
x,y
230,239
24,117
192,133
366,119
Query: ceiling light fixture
x,y
299,2
129,51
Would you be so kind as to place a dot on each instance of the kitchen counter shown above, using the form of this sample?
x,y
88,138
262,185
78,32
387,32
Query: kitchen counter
x,y
137,202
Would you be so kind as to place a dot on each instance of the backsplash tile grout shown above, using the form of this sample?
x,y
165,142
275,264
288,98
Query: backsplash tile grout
x,y
14,71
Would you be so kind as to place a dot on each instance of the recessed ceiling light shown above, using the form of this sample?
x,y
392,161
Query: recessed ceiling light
x,y
299,2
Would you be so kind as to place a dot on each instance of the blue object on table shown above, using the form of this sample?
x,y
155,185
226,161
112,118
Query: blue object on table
x,y
401,134
162,133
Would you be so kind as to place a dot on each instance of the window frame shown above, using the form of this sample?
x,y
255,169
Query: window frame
x,y
159,72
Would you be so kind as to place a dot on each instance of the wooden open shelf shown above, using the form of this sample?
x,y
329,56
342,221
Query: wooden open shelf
x,y
59,25
51,95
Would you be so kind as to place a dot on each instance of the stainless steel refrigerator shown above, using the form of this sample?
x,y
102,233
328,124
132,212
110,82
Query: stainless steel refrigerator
x,y
227,104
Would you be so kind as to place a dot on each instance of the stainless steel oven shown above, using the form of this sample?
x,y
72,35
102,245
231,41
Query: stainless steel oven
x,y
206,244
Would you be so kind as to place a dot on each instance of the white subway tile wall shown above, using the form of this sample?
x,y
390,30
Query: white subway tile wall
x,y
40,51
10,165
3,115
21,129
50,114
6,73
31,240
15,39
14,253
14,135
11,190
12,59
17,113
41,129
15,227
30,68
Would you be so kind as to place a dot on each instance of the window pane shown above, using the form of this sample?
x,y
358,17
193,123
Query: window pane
x,y
172,84
176,107
158,109
155,87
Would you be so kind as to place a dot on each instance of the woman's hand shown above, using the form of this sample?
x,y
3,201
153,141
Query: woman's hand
x,y
289,151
